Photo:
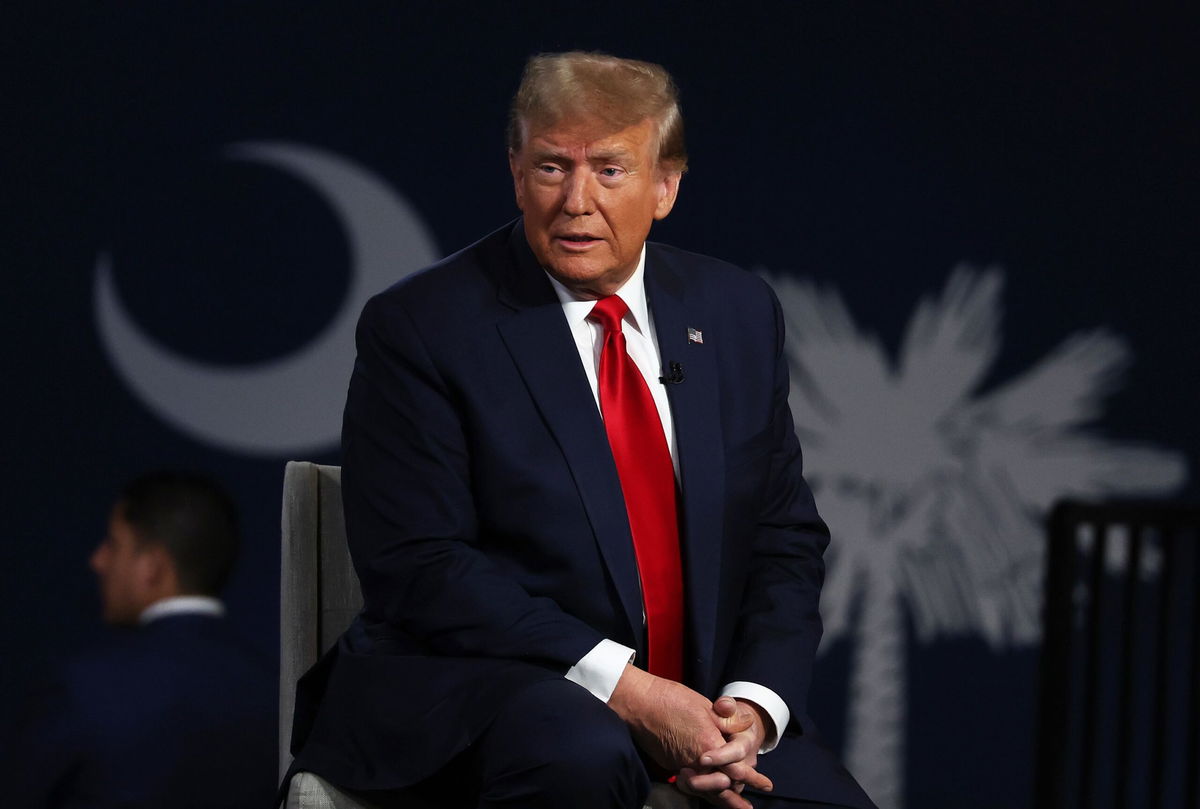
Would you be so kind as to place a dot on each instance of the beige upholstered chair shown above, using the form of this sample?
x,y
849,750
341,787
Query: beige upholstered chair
x,y
319,599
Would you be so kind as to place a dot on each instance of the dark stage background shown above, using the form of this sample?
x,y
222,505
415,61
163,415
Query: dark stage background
x,y
229,167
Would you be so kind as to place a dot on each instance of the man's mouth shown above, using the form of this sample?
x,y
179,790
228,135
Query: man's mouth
x,y
577,240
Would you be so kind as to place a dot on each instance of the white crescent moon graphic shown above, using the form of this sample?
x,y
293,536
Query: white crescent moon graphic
x,y
290,405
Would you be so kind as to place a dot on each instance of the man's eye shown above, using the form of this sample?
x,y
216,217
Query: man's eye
x,y
610,171
548,168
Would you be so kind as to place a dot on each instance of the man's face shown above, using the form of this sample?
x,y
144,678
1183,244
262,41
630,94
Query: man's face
x,y
589,196
122,566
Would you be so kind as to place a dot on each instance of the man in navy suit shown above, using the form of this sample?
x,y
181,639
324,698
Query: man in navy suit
x,y
174,709
507,655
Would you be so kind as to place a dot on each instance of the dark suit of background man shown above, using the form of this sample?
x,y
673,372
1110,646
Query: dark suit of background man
x,y
174,710
486,511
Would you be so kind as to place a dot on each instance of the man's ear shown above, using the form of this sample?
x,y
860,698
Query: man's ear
x,y
156,571
518,175
668,190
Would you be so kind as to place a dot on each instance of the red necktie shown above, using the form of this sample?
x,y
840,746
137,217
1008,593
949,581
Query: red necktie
x,y
643,460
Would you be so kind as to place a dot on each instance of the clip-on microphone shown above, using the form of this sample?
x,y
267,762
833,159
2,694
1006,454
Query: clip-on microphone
x,y
675,374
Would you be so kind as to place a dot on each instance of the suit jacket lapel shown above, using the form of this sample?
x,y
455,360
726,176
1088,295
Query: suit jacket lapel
x,y
695,409
540,342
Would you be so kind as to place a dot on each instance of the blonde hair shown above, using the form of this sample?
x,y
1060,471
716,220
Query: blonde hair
x,y
621,92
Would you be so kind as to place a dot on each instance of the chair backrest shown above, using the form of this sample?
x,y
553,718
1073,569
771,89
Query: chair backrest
x,y
1119,707
319,591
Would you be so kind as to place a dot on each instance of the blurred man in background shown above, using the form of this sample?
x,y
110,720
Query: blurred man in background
x,y
174,708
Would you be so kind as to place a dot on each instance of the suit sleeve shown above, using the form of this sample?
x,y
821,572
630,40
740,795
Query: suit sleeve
x,y
779,624
411,517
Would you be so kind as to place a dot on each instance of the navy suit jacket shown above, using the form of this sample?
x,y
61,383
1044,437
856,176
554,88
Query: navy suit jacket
x,y
180,713
488,530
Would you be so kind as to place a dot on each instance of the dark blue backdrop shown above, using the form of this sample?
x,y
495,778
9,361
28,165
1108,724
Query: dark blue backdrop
x,y
867,147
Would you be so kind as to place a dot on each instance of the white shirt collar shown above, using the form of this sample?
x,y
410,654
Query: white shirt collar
x,y
182,605
633,292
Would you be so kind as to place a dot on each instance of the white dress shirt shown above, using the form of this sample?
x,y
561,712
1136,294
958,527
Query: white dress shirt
x,y
600,669
181,605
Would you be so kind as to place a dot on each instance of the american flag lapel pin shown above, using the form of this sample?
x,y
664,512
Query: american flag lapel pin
x,y
695,336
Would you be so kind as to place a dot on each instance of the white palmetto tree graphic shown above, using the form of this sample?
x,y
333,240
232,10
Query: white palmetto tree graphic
x,y
934,491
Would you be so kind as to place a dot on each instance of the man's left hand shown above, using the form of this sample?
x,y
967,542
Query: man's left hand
x,y
720,775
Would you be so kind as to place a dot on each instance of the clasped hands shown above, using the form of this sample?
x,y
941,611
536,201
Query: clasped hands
x,y
713,747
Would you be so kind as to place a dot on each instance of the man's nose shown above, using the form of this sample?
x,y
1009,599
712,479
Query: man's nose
x,y
96,560
578,193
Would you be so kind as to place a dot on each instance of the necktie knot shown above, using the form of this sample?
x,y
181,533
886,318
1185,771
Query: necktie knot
x,y
608,312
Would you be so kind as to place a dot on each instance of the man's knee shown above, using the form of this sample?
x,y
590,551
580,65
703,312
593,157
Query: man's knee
x,y
594,754
554,744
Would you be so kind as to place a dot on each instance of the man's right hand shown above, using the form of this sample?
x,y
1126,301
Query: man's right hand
x,y
675,726
671,722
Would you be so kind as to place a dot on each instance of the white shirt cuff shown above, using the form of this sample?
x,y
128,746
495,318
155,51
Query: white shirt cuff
x,y
766,699
599,669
